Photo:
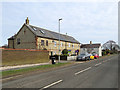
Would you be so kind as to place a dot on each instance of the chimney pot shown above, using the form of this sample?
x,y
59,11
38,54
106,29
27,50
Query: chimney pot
x,y
90,42
27,21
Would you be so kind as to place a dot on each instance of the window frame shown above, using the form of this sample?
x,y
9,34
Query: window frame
x,y
55,43
42,42
61,44
73,45
18,41
46,42
69,44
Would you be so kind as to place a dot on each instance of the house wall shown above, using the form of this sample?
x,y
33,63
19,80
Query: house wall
x,y
10,43
27,39
100,51
53,46
96,50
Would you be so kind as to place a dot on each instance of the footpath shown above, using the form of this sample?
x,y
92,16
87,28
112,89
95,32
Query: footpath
x,y
26,65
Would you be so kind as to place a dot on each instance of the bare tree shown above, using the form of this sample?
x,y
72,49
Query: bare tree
x,y
110,45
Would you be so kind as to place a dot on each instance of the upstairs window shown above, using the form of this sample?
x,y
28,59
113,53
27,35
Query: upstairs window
x,y
61,44
18,41
42,42
55,43
73,45
42,31
24,32
69,44
46,42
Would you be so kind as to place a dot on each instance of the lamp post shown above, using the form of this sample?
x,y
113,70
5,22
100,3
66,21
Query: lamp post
x,y
59,36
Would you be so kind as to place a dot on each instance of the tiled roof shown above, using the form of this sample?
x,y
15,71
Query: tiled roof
x,y
90,45
40,32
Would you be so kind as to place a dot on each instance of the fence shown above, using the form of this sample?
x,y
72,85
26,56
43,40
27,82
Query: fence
x,y
65,57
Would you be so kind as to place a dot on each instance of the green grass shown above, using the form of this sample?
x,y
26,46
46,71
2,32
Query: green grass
x,y
30,69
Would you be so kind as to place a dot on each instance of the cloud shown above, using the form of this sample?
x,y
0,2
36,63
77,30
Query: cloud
x,y
84,20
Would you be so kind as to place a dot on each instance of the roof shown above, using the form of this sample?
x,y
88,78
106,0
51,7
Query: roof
x,y
90,45
12,38
40,32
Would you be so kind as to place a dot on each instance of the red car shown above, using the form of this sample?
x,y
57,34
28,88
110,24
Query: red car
x,y
95,55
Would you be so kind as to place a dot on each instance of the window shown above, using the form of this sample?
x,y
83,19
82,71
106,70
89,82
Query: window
x,y
42,42
42,31
52,40
24,32
55,52
34,28
55,43
69,44
84,49
61,44
46,42
73,45
18,41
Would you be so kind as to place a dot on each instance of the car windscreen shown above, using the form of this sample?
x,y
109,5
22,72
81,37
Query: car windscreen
x,y
82,54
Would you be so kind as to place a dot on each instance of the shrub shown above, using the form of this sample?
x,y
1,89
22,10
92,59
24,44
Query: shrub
x,y
65,52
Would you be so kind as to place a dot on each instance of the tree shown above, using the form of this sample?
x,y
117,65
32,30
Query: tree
x,y
65,52
110,45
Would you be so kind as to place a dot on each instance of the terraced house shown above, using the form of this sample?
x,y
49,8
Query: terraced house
x,y
32,37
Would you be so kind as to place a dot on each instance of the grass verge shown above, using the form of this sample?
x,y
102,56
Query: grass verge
x,y
31,69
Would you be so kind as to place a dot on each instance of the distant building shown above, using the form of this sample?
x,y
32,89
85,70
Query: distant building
x,y
91,48
32,37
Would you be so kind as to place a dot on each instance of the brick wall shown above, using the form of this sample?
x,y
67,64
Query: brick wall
x,y
19,57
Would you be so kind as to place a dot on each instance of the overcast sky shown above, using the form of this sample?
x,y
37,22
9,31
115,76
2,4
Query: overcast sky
x,y
85,21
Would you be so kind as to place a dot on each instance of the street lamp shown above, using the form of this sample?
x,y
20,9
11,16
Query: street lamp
x,y
59,37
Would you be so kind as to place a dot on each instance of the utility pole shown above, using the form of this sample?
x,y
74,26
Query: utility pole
x,y
59,37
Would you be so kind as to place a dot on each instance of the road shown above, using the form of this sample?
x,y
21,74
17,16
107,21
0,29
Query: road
x,y
101,73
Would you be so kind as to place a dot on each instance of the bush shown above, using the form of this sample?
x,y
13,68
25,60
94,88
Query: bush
x,y
65,52
103,53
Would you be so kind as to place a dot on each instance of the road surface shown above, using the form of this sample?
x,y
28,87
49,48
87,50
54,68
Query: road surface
x,y
101,73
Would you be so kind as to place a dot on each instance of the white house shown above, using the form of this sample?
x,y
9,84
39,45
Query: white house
x,y
91,48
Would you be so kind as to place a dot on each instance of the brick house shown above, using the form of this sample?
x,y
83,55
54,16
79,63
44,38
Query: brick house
x,y
32,37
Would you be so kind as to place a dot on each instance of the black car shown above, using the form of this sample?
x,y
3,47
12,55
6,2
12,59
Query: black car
x,y
82,57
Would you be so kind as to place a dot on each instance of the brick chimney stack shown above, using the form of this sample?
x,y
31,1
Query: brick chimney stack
x,y
27,21
90,42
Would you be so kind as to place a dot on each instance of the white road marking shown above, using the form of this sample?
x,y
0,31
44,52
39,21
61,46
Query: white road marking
x,y
98,64
83,70
107,60
52,84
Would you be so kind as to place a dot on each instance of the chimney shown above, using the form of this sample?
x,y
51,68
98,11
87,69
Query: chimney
x,y
90,42
27,21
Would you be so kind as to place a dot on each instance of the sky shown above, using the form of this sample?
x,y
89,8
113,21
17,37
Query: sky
x,y
85,21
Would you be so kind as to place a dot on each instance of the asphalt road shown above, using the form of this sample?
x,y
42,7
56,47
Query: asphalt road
x,y
101,73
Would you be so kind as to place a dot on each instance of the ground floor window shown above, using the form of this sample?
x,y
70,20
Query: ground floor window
x,y
18,40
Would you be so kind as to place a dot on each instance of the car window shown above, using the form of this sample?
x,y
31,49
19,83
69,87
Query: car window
x,y
82,54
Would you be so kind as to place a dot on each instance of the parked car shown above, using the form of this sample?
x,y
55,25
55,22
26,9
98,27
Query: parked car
x,y
95,55
82,57
90,56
